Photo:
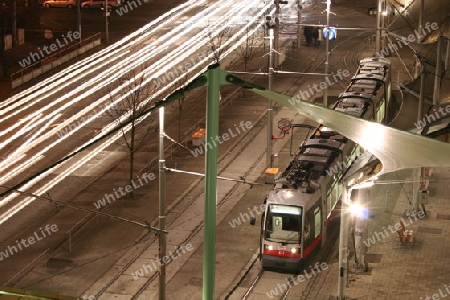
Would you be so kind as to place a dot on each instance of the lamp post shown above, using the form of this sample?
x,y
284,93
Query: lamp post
x,y
437,73
327,54
299,23
343,233
378,34
382,33
276,30
106,22
162,207
270,24
359,215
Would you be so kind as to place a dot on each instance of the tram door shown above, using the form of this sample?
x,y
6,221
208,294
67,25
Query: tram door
x,y
313,225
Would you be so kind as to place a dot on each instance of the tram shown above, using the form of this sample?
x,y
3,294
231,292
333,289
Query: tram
x,y
306,195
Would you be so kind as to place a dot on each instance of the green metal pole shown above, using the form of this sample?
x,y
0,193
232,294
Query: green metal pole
x,y
162,207
212,131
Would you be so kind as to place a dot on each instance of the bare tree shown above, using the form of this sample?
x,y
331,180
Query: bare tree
x,y
247,50
215,43
135,100
180,105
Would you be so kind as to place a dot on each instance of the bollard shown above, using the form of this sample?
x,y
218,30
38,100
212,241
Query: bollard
x,y
424,194
386,203
274,160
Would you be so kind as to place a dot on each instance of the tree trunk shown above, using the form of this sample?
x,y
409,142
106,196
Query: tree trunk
x,y
133,132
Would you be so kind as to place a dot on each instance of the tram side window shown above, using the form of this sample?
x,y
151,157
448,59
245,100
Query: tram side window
x,y
380,111
317,221
332,197
330,201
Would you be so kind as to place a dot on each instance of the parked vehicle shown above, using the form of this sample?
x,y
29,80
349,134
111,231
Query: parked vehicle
x,y
100,3
60,3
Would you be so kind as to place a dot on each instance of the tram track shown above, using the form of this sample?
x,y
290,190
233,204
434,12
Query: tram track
x,y
152,240
200,226
17,278
194,193
293,90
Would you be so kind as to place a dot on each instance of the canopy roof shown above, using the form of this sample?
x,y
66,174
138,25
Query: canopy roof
x,y
396,149
443,30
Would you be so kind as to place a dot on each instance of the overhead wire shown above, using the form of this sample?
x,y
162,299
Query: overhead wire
x,y
92,211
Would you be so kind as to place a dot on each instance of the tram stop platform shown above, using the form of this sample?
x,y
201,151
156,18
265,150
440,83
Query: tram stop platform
x,y
399,270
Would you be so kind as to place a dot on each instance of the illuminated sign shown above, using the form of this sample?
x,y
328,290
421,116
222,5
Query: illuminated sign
x,y
285,209
331,33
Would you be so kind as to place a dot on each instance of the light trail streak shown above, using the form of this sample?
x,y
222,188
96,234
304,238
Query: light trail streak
x,y
137,60
56,85
19,153
68,169
161,21
133,62
118,70
24,124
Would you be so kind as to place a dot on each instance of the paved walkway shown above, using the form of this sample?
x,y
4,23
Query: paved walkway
x,y
399,271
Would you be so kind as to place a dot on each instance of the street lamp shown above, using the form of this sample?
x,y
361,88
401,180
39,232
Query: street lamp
x,y
378,34
107,13
162,206
343,233
360,175
359,213
327,54
270,24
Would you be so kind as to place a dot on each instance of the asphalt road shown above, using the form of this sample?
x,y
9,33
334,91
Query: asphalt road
x,y
31,120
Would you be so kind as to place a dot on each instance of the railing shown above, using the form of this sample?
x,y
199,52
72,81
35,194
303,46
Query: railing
x,y
40,67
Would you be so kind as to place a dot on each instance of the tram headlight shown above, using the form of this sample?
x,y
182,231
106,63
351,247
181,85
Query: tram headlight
x,y
268,247
294,250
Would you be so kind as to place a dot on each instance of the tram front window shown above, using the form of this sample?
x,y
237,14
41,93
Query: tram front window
x,y
283,223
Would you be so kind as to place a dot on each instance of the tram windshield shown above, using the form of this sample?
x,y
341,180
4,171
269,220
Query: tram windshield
x,y
283,223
